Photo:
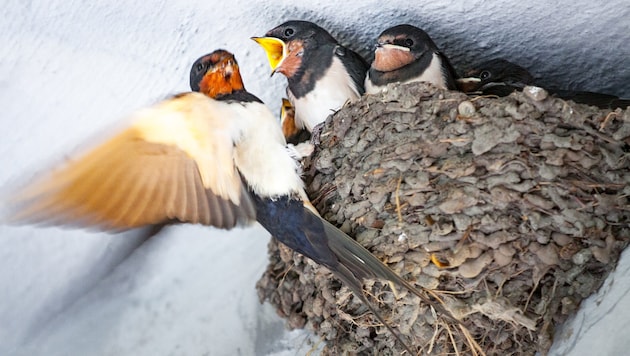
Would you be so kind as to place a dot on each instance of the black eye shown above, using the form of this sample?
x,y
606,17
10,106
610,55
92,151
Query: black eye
x,y
199,67
484,75
289,32
408,42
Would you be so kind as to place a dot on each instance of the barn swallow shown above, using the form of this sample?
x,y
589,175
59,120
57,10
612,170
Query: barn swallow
x,y
298,139
501,77
321,73
291,132
215,156
498,77
405,54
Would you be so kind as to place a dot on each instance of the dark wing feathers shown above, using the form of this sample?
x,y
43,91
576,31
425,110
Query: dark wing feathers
x,y
356,66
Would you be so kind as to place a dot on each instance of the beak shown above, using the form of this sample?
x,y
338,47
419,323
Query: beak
x,y
468,85
275,48
286,104
392,46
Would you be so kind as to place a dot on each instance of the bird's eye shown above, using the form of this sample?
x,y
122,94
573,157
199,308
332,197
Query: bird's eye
x,y
408,42
289,32
199,67
484,75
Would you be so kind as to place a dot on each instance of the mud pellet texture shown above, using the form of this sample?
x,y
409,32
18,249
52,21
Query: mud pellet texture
x,y
512,210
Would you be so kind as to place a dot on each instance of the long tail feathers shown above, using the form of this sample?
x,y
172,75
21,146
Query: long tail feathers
x,y
356,264
363,264
347,277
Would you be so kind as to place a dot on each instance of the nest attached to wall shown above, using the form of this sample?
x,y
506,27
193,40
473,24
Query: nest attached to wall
x,y
513,210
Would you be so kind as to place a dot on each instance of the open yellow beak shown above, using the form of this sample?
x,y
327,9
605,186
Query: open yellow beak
x,y
275,49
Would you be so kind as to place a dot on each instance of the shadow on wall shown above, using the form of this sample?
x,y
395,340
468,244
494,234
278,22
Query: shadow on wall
x,y
118,248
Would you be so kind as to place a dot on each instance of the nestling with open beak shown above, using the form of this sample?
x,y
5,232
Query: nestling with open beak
x,y
322,74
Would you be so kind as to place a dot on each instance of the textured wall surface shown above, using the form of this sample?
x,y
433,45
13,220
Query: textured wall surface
x,y
71,68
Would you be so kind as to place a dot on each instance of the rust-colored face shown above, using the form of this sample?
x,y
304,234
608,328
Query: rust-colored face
x,y
293,60
222,76
389,56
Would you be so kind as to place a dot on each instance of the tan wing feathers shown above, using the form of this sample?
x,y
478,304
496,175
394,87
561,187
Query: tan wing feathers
x,y
187,200
152,172
138,200
203,129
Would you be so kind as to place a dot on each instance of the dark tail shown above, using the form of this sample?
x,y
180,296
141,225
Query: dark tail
x,y
347,277
362,264
356,263
297,227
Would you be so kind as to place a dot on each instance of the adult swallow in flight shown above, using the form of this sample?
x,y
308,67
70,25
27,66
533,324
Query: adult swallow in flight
x,y
322,74
501,77
193,159
405,54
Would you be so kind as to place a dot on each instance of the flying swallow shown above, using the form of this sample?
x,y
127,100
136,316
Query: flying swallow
x,y
215,156
501,77
405,54
321,73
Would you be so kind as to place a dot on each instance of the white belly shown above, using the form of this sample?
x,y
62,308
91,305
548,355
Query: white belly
x,y
330,93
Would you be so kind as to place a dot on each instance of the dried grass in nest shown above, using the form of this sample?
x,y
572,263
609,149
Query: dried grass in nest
x,y
511,210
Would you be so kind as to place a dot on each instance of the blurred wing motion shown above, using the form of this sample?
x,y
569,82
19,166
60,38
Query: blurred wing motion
x,y
173,163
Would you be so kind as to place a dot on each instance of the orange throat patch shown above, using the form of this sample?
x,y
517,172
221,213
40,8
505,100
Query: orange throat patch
x,y
390,59
221,82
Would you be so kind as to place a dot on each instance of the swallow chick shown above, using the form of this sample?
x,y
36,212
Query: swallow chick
x,y
298,139
501,77
321,73
291,132
498,77
215,156
406,54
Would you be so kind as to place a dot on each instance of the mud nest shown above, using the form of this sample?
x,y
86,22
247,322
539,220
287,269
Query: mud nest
x,y
513,210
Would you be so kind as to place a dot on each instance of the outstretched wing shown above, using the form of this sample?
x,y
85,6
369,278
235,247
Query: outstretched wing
x,y
174,162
